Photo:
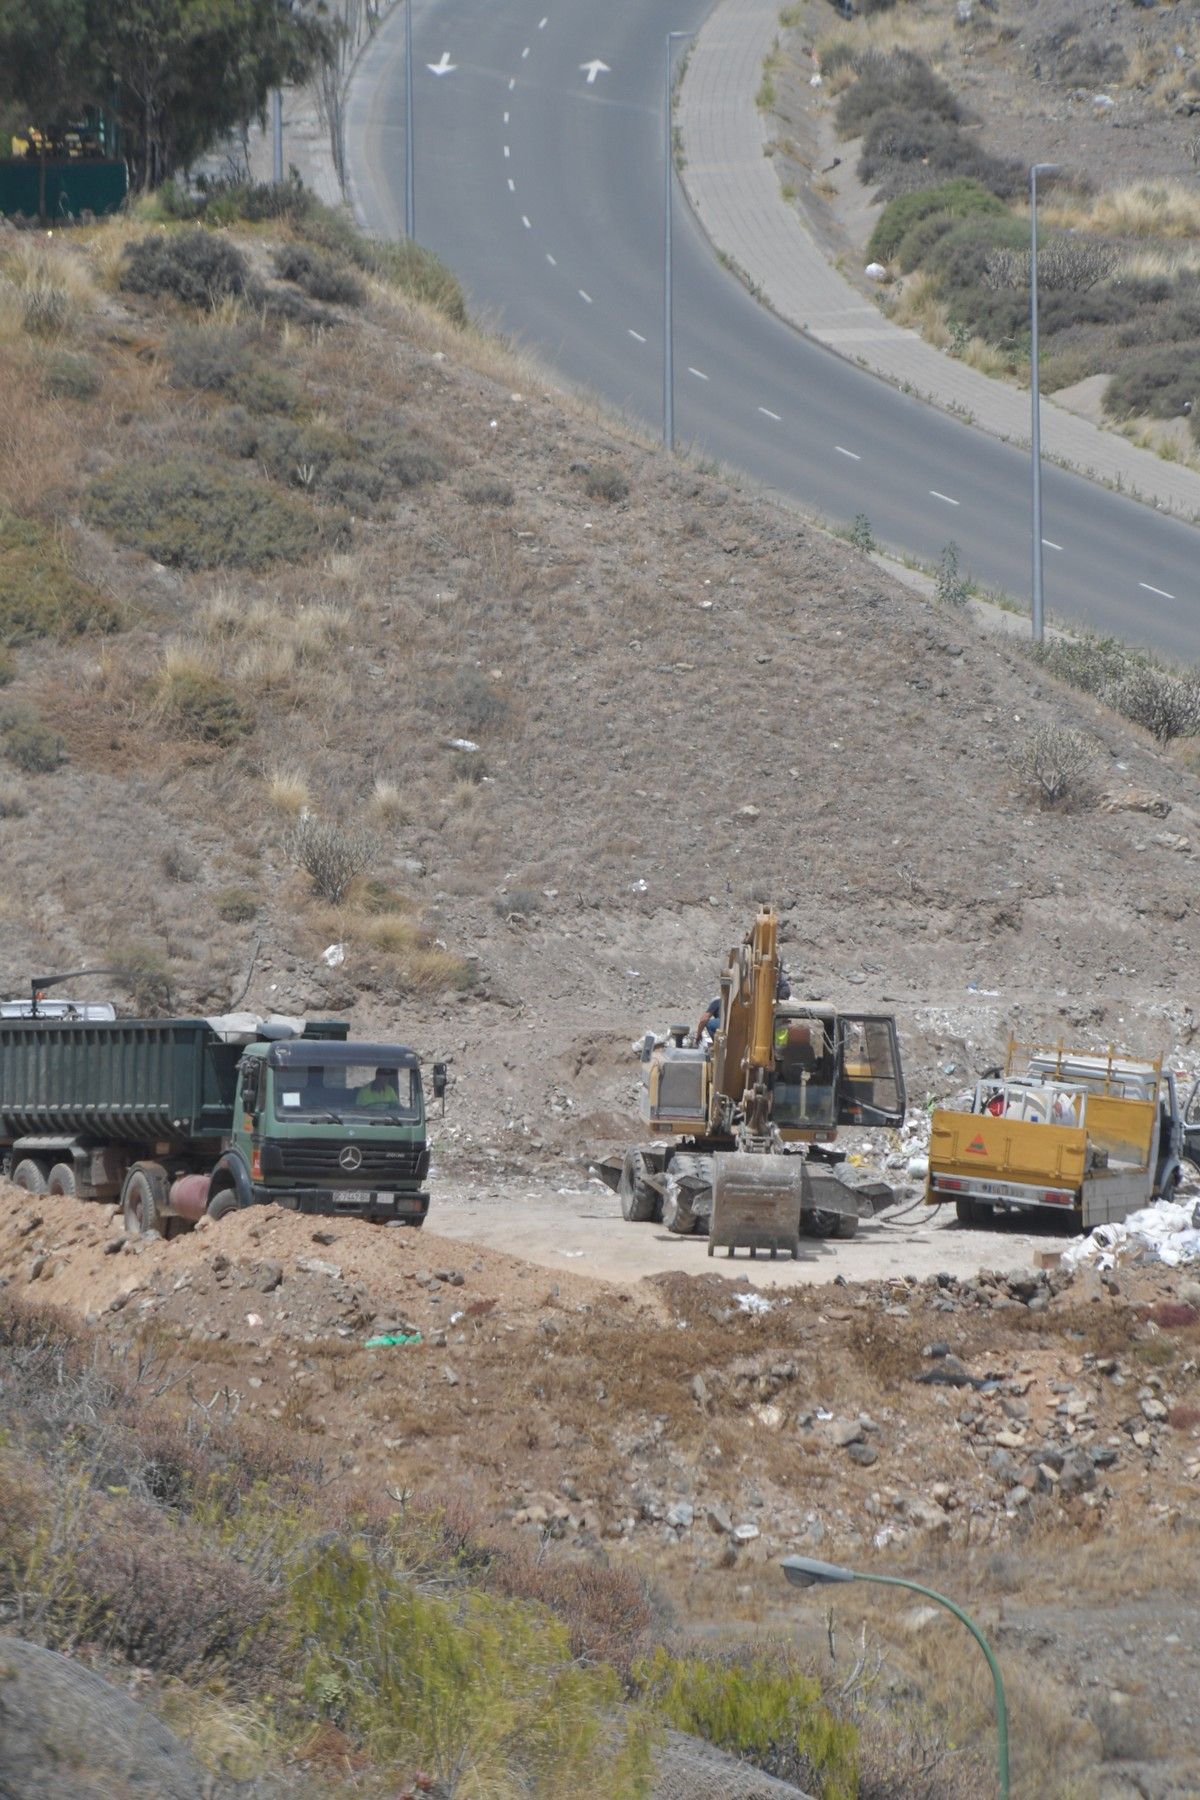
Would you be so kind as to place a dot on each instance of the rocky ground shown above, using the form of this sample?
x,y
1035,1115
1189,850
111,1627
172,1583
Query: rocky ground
x,y
974,1430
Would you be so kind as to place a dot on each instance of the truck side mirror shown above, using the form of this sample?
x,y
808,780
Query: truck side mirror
x,y
251,1086
441,1081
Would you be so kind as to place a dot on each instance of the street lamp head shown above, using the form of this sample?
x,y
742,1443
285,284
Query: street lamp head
x,y
806,1571
1045,168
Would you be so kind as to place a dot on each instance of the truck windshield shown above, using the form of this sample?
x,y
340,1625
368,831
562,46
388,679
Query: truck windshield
x,y
804,1075
372,1092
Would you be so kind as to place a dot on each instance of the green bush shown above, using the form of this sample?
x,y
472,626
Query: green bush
x,y
39,595
236,906
70,376
1165,702
360,486
1162,382
487,490
762,1707
917,243
28,744
322,277
145,974
415,271
407,464
959,260
604,481
959,199
219,361
197,267
263,389
203,705
897,81
8,667
905,150
195,516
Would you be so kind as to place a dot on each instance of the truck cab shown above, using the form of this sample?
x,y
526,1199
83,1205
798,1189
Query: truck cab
x,y
323,1125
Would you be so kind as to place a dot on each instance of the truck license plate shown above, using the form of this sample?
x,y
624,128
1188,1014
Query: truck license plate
x,y
356,1197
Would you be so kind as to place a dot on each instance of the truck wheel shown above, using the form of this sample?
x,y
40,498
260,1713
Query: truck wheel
x,y
62,1180
224,1202
30,1176
677,1214
144,1200
640,1203
821,1223
847,1225
973,1212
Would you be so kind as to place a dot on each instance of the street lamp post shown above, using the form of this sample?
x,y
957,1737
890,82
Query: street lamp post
x,y
409,186
673,37
277,136
806,1571
1038,621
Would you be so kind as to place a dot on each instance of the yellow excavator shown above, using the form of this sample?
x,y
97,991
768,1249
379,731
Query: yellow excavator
x,y
742,1121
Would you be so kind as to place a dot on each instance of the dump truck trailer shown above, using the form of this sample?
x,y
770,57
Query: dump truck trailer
x,y
176,1118
1093,1135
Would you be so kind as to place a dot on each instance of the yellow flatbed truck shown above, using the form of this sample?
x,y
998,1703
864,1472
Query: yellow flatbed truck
x,y
1093,1135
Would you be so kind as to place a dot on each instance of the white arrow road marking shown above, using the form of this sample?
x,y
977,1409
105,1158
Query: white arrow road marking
x,y
698,373
1161,592
594,68
637,335
945,497
769,414
445,67
852,454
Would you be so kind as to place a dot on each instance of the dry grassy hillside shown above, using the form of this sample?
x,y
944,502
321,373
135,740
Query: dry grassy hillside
x,y
268,559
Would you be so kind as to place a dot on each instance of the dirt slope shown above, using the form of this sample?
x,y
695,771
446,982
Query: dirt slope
x,y
685,700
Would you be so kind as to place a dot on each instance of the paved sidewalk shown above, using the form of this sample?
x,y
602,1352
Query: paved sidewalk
x,y
735,193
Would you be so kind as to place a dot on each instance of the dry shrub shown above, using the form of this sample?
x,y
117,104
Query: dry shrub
x,y
198,267
1183,1418
201,703
29,744
1140,209
1173,1313
1057,764
321,276
388,803
40,596
288,792
607,1610
332,855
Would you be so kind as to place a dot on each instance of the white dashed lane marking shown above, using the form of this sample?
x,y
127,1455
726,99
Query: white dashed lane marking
x,y
542,24
637,335
1050,544
698,373
586,298
950,501
767,413
852,454
1161,592
525,53
551,261
512,186
507,152
525,222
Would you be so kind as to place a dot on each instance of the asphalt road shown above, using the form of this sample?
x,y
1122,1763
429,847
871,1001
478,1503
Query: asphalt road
x,y
542,189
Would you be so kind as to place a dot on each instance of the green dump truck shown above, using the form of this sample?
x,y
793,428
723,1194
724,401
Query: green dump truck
x,y
181,1117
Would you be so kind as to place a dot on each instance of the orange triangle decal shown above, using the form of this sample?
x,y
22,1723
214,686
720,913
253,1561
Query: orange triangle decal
x,y
977,1147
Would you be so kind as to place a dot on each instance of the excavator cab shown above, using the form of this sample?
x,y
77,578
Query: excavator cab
x,y
804,1084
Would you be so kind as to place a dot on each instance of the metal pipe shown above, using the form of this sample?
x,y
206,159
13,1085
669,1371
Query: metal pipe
x,y
668,270
277,135
410,203
1037,619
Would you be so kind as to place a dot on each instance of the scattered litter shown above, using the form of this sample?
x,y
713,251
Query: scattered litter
x,y
875,272
571,1253
464,744
254,1320
1167,1232
822,1414
334,956
1102,102
814,81
388,1339
639,887
754,1303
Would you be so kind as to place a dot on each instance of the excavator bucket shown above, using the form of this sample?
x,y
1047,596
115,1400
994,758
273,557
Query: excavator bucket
x,y
757,1202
